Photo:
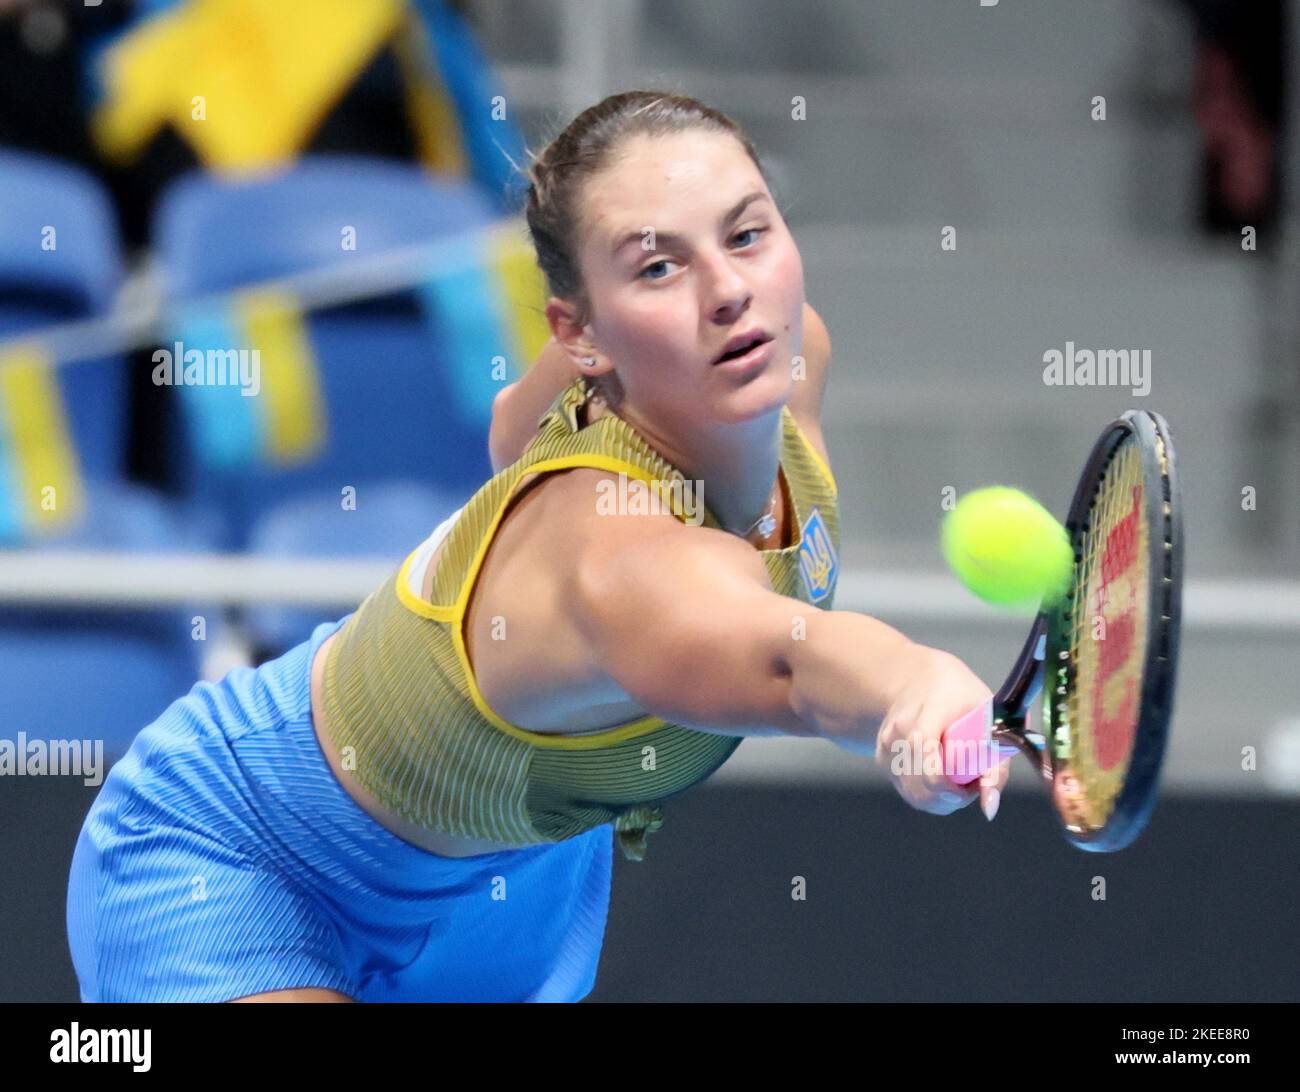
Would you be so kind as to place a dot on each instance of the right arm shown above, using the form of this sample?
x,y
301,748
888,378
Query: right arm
x,y
685,621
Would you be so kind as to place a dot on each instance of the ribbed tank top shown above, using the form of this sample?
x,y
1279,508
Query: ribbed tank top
x,y
404,709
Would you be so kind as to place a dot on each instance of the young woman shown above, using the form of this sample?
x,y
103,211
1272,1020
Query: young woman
x,y
420,802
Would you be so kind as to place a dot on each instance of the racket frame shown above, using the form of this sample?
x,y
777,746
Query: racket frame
x,y
1133,806
1016,697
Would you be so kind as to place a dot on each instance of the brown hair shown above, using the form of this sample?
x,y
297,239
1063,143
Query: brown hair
x,y
583,149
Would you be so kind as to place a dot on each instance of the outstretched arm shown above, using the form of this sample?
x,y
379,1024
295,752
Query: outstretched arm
x,y
685,621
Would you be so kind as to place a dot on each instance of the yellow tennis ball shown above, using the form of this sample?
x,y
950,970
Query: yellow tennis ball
x,y
1007,548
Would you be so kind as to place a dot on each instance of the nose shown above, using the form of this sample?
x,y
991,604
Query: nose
x,y
727,293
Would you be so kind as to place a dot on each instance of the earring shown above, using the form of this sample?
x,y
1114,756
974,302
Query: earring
x,y
590,361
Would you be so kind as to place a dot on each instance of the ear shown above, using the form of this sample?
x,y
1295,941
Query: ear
x,y
573,335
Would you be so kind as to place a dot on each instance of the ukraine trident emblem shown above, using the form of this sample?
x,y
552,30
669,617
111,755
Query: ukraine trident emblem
x,y
818,564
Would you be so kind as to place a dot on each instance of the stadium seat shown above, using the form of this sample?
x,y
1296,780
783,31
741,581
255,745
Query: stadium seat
x,y
69,671
59,260
389,520
79,672
377,359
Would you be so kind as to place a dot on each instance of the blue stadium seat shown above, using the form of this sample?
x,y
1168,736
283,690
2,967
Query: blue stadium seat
x,y
389,520
378,359
39,192
69,671
77,277
77,672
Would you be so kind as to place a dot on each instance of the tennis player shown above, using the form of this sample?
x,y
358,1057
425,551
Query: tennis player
x,y
420,802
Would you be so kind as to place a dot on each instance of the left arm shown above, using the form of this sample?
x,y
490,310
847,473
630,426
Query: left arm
x,y
516,408
806,400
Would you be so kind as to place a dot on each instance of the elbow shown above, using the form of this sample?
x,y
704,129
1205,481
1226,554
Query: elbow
x,y
743,688
498,431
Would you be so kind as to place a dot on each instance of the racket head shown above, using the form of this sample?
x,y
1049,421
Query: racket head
x,y
1112,641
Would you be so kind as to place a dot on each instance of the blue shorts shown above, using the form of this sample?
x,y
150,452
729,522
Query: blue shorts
x,y
222,858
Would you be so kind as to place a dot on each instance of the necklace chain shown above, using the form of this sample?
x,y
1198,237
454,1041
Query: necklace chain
x,y
766,523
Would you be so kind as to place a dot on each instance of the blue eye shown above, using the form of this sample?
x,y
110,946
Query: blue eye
x,y
668,261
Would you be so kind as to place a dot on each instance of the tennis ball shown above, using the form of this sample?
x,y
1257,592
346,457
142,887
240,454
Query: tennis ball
x,y
1007,548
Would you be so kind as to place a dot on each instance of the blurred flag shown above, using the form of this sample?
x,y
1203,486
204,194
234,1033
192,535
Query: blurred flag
x,y
244,82
461,116
291,409
40,478
250,381
488,315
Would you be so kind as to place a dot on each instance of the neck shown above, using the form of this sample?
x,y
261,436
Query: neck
x,y
737,464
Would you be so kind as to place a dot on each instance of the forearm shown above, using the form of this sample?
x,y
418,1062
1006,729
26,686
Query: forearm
x,y
518,407
845,674
685,622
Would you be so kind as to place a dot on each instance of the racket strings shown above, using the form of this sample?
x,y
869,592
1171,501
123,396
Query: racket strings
x,y
1108,633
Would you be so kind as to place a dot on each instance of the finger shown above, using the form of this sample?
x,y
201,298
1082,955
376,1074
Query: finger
x,y
890,745
915,739
910,789
967,796
904,790
990,792
883,735
995,777
943,802
946,803
928,742
950,802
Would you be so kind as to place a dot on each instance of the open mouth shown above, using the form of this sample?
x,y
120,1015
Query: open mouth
x,y
743,347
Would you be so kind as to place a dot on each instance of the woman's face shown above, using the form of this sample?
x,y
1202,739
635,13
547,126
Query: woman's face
x,y
682,248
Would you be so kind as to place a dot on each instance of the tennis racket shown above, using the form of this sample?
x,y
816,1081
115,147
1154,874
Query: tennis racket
x,y
1102,658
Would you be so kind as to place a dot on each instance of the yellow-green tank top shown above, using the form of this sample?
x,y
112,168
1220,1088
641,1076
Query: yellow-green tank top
x,y
400,693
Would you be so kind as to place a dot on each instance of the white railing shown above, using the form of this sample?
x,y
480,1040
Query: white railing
x,y
67,578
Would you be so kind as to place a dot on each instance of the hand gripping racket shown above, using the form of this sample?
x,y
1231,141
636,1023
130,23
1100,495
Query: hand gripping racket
x,y
1101,659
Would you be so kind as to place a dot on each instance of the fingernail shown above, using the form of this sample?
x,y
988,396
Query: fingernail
x,y
991,804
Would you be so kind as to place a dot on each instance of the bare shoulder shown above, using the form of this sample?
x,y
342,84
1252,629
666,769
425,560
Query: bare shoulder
x,y
595,509
624,550
610,538
579,565
809,392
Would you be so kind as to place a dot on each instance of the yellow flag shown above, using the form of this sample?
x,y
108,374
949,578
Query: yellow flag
x,y
35,440
429,107
244,82
291,405
522,292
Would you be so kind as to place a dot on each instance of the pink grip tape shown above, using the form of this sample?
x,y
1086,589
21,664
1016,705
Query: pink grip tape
x,y
967,750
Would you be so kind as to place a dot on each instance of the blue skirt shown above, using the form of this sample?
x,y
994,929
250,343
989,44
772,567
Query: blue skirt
x,y
222,858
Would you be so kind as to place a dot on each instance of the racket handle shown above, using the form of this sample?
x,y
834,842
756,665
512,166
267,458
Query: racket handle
x,y
973,728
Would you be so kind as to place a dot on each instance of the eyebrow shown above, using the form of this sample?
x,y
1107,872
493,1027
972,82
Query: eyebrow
x,y
672,237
